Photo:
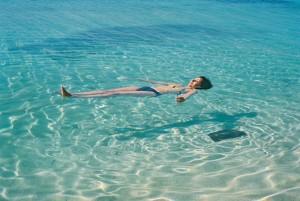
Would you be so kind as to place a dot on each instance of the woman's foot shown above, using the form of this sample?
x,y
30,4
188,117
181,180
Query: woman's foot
x,y
64,92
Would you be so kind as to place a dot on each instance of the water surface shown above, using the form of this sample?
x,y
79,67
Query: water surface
x,y
128,148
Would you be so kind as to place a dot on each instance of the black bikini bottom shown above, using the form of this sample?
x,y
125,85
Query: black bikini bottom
x,y
146,88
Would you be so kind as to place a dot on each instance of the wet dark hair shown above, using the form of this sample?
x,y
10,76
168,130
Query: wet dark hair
x,y
206,84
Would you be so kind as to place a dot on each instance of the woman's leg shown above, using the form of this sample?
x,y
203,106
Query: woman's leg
x,y
117,93
64,92
129,91
133,88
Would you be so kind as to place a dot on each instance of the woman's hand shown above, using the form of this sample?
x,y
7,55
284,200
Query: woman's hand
x,y
185,96
180,99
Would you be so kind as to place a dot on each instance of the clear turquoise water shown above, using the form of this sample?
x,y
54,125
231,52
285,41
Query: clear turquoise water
x,y
127,148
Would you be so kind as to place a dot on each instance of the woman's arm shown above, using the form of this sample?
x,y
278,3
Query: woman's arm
x,y
158,82
186,95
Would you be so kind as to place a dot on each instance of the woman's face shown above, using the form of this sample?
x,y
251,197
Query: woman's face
x,y
195,83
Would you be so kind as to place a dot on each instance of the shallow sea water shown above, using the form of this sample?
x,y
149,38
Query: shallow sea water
x,y
128,148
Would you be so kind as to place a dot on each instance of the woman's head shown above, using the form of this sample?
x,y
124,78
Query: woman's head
x,y
200,83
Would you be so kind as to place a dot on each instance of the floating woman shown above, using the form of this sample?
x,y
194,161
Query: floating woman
x,y
184,92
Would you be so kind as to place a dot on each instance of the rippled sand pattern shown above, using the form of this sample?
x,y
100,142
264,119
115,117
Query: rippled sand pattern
x,y
128,148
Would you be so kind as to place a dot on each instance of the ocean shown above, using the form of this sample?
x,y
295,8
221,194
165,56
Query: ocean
x,y
239,141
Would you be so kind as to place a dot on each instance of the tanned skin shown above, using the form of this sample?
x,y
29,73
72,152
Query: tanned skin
x,y
160,87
